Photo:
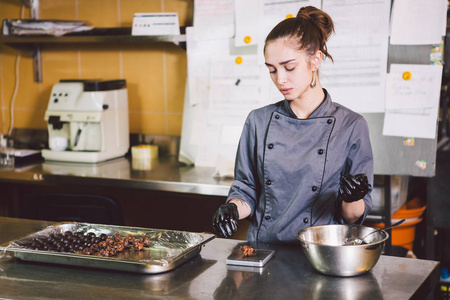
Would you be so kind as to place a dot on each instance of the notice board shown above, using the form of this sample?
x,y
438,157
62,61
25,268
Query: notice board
x,y
393,155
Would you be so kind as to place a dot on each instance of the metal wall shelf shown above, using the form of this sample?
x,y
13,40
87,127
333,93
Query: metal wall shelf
x,y
123,36
108,36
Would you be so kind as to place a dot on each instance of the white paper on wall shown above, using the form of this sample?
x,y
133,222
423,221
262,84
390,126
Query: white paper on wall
x,y
199,54
359,48
235,91
246,22
418,22
213,19
412,100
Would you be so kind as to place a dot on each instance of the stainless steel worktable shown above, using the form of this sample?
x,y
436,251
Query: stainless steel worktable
x,y
166,174
287,276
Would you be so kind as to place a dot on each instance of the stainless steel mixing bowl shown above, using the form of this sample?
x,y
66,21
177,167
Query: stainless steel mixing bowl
x,y
323,246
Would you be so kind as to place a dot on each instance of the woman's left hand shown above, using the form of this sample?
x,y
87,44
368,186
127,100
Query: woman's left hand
x,y
353,188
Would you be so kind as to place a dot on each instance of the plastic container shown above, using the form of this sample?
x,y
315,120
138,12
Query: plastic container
x,y
412,209
144,157
404,234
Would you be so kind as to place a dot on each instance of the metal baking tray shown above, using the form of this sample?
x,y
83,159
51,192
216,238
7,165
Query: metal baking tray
x,y
167,250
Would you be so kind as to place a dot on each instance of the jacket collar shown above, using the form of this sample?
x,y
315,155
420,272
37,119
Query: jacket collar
x,y
321,111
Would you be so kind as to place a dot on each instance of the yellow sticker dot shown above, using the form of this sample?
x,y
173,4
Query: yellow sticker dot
x,y
239,60
289,16
406,76
247,39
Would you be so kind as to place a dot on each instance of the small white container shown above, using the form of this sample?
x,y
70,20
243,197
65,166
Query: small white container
x,y
144,157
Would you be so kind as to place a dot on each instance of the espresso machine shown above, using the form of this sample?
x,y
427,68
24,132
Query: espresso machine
x,y
87,121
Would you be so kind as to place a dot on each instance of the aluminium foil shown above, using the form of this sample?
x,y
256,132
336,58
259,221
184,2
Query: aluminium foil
x,y
167,250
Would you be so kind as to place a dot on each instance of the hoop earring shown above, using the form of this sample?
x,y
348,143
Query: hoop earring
x,y
313,82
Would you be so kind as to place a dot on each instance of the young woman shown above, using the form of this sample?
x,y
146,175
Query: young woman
x,y
305,160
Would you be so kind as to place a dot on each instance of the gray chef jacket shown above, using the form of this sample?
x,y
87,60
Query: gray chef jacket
x,y
288,169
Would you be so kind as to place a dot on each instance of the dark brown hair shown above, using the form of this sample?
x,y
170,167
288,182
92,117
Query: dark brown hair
x,y
312,27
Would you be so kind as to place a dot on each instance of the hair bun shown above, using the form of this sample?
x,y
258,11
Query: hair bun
x,y
303,14
310,30
306,11
319,18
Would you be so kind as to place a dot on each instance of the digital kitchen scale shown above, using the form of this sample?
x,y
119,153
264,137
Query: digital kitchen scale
x,y
261,257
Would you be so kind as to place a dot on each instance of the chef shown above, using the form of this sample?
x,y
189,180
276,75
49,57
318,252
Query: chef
x,y
305,160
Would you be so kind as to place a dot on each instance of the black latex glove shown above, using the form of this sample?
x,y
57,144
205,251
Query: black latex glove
x,y
225,219
352,188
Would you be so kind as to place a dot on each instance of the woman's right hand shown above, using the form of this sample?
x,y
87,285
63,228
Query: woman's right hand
x,y
225,220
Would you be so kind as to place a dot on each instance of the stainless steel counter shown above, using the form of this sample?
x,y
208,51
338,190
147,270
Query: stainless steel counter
x,y
166,174
287,276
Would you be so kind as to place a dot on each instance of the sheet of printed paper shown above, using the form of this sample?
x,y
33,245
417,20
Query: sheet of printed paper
x,y
271,12
234,92
199,55
418,22
246,22
196,134
411,123
213,19
359,48
413,86
412,101
199,143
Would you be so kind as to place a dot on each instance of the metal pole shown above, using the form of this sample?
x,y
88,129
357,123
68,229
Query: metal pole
x,y
387,213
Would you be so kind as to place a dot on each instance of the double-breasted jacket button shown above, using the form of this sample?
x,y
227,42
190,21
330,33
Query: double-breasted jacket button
x,y
314,188
277,117
305,220
267,217
268,182
329,121
320,151
270,146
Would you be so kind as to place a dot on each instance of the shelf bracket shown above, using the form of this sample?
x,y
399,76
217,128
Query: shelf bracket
x,y
37,64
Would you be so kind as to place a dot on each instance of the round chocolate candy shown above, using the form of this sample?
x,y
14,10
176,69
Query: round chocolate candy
x,y
117,237
138,245
145,240
87,251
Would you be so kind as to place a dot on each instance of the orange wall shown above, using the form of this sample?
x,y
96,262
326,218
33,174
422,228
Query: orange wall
x,y
155,74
